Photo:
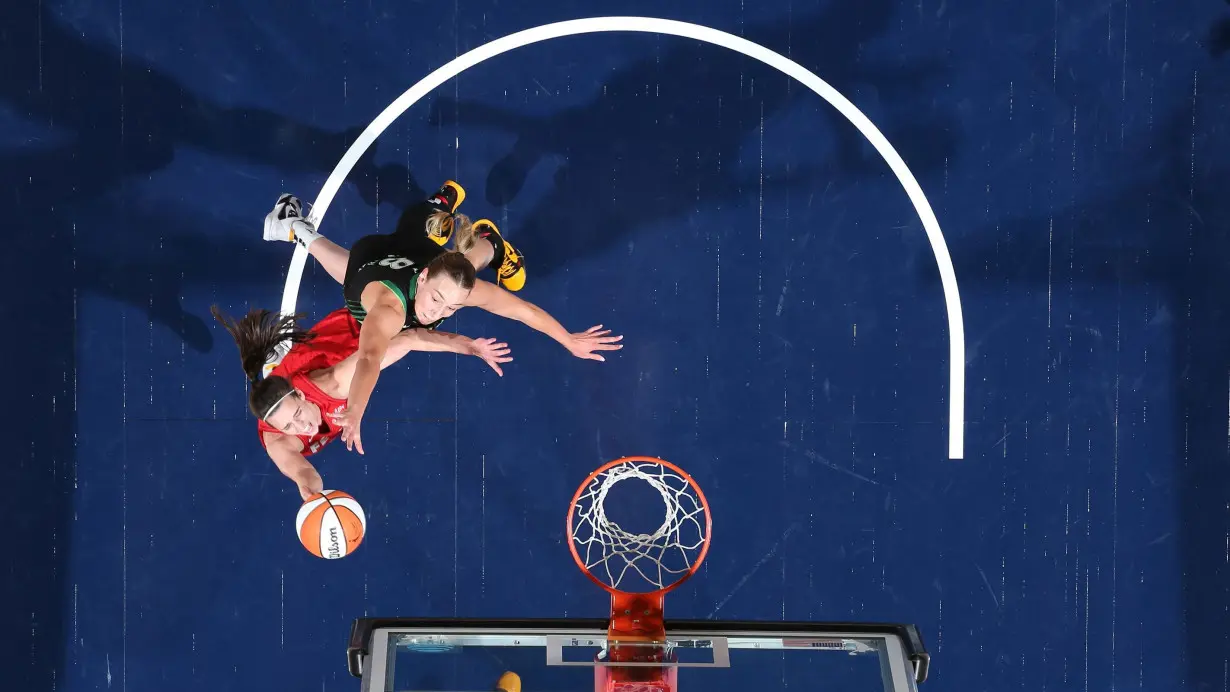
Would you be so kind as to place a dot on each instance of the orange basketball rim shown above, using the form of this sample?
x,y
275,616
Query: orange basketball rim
x,y
639,569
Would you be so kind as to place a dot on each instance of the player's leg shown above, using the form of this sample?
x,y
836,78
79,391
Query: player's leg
x,y
480,242
286,223
484,246
331,256
435,217
425,227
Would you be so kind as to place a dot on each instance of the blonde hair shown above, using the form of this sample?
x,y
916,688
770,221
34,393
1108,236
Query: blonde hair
x,y
460,225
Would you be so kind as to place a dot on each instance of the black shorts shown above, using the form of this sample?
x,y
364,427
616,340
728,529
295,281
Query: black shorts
x,y
408,240
370,249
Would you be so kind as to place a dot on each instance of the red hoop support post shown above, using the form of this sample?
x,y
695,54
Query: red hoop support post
x,y
637,619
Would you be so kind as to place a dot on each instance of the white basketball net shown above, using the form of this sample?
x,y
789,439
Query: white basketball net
x,y
661,558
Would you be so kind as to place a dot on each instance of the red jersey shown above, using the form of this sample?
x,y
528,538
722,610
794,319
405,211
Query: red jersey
x,y
337,337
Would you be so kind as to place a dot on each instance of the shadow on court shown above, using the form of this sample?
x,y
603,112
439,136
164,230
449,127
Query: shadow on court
x,y
1164,226
656,159
107,136
73,231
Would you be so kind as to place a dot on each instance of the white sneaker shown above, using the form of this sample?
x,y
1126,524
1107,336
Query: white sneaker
x,y
286,222
276,357
288,205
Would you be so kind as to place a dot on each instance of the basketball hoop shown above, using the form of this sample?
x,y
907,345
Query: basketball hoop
x,y
638,569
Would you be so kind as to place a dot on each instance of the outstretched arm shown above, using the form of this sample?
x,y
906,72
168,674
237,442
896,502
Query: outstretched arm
x,y
286,451
497,301
492,352
384,320
489,350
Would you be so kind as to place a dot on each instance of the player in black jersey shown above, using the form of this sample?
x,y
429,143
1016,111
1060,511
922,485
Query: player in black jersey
x,y
408,280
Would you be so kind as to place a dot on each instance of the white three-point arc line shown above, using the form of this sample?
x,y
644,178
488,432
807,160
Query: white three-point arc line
x,y
948,275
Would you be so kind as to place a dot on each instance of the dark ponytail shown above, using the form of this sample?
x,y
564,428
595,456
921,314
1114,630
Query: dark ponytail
x,y
257,335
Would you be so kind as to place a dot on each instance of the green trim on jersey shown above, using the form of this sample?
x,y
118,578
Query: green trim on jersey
x,y
356,311
407,304
401,296
359,313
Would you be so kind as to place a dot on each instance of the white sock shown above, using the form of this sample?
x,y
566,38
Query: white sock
x,y
305,234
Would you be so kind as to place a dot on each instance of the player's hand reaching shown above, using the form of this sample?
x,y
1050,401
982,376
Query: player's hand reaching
x,y
307,491
491,352
584,344
349,420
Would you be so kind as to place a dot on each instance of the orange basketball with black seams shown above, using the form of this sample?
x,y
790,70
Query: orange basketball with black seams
x,y
331,524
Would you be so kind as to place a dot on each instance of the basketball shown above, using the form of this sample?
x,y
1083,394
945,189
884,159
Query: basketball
x,y
331,524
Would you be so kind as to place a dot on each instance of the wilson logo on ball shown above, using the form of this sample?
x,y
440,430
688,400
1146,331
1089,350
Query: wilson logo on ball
x,y
331,524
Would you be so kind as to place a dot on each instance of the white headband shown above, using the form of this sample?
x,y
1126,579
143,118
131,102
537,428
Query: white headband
x,y
275,404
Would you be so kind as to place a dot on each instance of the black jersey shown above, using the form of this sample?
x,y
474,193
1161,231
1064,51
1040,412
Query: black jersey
x,y
395,260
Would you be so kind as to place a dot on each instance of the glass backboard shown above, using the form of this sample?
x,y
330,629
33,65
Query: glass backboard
x,y
420,655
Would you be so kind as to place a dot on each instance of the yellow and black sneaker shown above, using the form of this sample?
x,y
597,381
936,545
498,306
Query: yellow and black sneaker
x,y
447,198
450,196
509,682
507,262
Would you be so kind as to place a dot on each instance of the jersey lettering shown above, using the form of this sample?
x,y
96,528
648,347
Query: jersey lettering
x,y
395,262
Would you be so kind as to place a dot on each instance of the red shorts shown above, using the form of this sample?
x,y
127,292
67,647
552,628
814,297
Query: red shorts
x,y
337,337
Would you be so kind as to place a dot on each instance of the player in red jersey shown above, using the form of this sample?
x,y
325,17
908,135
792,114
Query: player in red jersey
x,y
294,404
